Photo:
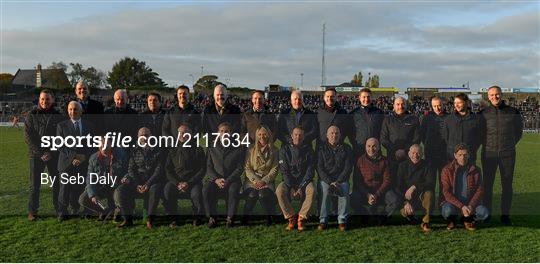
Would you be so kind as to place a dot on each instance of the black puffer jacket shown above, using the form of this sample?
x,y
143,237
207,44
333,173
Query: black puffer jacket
x,y
504,128
225,162
338,117
287,121
40,123
211,118
176,116
296,164
432,126
185,164
462,129
367,122
334,164
399,132
419,175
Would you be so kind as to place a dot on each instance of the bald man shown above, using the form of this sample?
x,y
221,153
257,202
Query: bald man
x,y
372,195
92,109
121,118
297,115
41,121
74,160
220,110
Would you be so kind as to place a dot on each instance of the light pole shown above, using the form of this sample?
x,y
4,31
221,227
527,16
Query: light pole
x,y
302,80
202,70
192,80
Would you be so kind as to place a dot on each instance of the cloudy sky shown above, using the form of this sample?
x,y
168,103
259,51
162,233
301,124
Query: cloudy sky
x,y
246,43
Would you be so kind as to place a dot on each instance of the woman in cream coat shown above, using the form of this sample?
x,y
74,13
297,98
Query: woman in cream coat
x,y
261,170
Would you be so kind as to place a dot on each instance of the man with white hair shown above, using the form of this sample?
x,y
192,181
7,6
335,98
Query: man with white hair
x,y
220,110
295,116
415,184
121,117
400,130
74,160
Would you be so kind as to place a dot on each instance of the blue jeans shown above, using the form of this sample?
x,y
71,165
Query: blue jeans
x,y
343,202
448,210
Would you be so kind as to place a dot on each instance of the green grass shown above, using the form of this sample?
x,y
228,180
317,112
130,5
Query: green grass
x,y
87,241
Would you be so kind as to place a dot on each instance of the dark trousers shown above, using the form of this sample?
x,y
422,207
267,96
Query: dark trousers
x,y
69,194
106,192
266,197
506,166
211,194
172,194
437,163
385,205
37,166
126,194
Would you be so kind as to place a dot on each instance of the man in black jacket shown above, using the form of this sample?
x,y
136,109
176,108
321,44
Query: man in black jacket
x,y
296,163
432,125
367,121
143,180
332,114
415,186
152,117
295,116
400,130
225,165
183,112
257,116
334,166
185,169
504,128
219,111
92,109
41,121
73,160
462,126
121,117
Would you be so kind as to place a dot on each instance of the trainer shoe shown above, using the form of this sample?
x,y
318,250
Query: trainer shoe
x,y
469,226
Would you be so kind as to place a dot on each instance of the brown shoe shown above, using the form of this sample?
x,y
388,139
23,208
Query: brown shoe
x,y
291,224
212,222
342,227
425,227
451,225
32,216
300,224
469,226
321,227
149,225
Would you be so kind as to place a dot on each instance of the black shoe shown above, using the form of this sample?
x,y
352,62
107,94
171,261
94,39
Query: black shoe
x,y
505,220
212,222
269,220
382,220
245,221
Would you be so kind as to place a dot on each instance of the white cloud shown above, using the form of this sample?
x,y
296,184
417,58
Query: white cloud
x,y
258,44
